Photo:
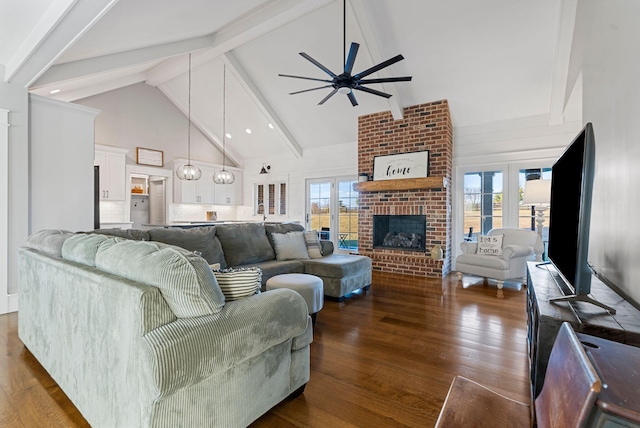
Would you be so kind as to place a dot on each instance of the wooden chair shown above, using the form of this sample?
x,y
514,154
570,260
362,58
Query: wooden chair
x,y
570,389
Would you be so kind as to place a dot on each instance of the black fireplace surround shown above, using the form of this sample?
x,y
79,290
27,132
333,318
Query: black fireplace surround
x,y
400,232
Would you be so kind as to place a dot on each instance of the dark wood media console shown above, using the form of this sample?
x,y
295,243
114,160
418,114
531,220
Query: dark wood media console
x,y
545,318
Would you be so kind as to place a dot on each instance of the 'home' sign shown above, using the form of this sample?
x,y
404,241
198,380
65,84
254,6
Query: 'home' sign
x,y
404,165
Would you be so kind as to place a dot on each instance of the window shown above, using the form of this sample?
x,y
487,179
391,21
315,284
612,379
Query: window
x,y
526,214
271,199
483,209
327,197
347,215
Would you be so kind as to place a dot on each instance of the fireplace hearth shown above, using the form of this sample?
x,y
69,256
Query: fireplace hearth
x,y
400,232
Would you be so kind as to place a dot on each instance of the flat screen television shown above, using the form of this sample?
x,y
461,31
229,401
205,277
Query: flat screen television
x,y
570,215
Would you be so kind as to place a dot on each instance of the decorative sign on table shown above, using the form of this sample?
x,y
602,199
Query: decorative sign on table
x,y
149,157
404,165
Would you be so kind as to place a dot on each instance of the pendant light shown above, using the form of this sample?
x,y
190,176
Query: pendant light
x,y
189,172
223,176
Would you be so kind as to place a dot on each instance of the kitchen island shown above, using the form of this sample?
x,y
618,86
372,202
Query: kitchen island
x,y
189,224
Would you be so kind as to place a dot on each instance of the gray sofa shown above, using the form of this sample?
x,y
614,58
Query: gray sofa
x,y
138,334
251,245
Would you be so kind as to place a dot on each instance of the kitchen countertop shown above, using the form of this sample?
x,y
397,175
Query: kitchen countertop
x,y
185,224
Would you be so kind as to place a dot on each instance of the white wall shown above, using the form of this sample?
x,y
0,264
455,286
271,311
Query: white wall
x,y
141,116
607,40
61,175
15,99
331,161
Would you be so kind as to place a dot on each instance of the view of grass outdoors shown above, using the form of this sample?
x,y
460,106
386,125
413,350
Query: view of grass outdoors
x,y
347,206
483,201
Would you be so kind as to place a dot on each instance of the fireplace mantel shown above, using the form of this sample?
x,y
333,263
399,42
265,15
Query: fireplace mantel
x,y
401,184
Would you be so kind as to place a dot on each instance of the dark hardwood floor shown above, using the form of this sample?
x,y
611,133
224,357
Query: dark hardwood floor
x,y
383,358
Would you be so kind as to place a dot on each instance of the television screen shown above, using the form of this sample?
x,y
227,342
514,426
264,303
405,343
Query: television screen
x,y
571,191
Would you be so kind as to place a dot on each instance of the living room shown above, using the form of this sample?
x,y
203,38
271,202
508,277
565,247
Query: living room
x,y
589,78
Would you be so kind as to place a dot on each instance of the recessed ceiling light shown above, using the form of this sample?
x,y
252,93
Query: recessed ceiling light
x,y
248,131
54,91
227,135
271,125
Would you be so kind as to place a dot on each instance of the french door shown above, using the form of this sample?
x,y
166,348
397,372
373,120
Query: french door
x,y
332,210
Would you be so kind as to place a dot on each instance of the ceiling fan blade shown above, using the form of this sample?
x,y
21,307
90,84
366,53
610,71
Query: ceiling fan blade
x,y
317,64
328,96
352,98
305,78
312,89
380,66
372,91
353,51
386,80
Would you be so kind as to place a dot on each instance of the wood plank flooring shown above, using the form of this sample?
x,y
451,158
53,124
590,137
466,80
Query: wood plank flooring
x,y
384,358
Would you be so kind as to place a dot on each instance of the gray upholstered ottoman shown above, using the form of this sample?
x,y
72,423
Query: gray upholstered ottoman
x,y
308,286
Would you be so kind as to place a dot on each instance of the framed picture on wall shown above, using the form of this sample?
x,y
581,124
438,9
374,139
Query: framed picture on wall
x,y
149,157
403,165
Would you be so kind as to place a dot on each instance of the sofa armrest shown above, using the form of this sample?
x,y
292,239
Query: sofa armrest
x,y
511,251
189,350
326,247
468,247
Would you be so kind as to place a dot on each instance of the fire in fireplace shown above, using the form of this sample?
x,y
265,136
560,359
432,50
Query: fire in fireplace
x,y
400,232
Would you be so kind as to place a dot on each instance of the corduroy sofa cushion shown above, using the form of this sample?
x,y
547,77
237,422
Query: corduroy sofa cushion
x,y
49,241
184,279
82,248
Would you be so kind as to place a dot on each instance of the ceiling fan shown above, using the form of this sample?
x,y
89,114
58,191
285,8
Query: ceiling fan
x,y
345,82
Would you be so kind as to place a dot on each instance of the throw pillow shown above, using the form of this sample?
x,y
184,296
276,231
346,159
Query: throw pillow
x,y
312,241
490,245
237,283
290,246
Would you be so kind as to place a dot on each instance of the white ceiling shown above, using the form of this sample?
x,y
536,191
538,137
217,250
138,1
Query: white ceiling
x,y
494,60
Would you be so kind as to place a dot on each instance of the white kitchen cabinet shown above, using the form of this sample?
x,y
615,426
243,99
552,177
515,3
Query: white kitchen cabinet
x,y
194,191
112,162
229,194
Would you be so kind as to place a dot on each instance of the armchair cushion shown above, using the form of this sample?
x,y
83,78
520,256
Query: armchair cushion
x,y
490,262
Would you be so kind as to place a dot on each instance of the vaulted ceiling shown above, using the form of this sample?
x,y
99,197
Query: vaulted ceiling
x,y
494,60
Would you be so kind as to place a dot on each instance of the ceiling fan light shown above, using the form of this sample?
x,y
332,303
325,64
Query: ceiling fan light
x,y
224,177
344,90
188,172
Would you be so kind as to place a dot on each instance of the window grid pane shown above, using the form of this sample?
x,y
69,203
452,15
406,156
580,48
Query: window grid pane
x,y
483,195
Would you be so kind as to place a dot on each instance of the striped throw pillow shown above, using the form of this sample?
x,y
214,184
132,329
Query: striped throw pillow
x,y
313,244
237,283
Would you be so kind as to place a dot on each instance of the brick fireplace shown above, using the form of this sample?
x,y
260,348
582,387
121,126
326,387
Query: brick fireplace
x,y
424,127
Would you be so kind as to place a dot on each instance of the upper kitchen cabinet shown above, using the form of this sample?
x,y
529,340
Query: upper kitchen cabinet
x,y
193,191
112,162
229,194
205,191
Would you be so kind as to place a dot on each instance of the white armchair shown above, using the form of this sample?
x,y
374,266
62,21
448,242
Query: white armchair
x,y
517,249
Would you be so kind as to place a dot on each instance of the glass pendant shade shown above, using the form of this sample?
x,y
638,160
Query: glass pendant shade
x,y
224,177
188,172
